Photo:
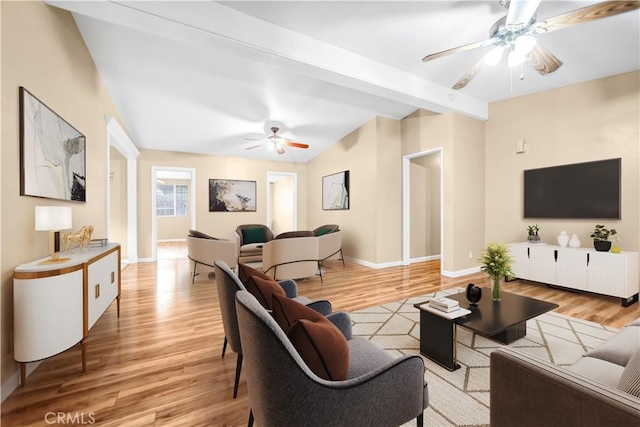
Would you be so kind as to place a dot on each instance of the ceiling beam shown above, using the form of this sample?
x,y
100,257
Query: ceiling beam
x,y
287,49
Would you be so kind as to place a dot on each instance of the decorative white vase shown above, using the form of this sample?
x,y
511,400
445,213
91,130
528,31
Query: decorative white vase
x,y
563,239
574,242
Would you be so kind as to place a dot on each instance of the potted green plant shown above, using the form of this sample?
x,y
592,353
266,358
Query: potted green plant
x,y
496,262
533,234
600,237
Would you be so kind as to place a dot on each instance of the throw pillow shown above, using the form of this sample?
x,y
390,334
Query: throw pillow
x,y
630,379
200,235
252,235
286,311
319,342
322,231
264,290
244,272
322,347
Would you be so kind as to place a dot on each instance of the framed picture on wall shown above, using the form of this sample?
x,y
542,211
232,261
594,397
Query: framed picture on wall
x,y
335,191
52,153
232,195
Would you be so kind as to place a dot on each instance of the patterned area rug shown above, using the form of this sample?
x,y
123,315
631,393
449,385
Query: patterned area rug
x,y
461,398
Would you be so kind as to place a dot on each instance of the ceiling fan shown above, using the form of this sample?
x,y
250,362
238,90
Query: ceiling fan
x,y
276,142
515,33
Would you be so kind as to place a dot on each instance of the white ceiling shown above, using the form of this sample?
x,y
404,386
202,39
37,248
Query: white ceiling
x,y
202,76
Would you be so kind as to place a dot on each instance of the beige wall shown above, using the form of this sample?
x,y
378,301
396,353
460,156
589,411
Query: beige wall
x,y
595,120
175,227
356,153
218,224
43,51
282,205
462,141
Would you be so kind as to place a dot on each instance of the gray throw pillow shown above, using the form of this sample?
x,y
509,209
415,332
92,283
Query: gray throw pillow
x,y
630,379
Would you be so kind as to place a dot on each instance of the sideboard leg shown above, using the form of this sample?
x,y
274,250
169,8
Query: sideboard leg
x,y
23,374
626,302
84,354
118,305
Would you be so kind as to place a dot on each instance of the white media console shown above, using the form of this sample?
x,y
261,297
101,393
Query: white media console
x,y
584,269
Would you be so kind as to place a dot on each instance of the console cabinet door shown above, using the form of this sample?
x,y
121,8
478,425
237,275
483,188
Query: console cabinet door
x,y
542,264
520,256
606,273
103,285
571,269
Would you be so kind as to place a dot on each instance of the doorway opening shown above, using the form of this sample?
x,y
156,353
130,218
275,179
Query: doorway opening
x,y
423,207
282,201
170,225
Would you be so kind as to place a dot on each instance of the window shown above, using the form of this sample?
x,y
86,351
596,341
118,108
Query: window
x,y
172,200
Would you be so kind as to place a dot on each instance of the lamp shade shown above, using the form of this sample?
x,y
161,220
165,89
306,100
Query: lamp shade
x,y
53,218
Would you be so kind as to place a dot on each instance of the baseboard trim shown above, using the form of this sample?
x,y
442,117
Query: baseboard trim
x,y
13,382
460,273
146,259
373,265
171,240
424,258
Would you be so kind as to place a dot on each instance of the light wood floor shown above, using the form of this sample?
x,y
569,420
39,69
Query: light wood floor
x,y
160,363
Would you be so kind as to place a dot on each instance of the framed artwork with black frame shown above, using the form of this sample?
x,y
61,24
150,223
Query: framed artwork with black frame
x,y
52,153
232,195
335,191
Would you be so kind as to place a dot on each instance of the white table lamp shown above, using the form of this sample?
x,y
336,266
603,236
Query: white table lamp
x,y
53,219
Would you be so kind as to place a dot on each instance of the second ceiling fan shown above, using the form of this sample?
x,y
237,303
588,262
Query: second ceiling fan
x,y
515,33
277,143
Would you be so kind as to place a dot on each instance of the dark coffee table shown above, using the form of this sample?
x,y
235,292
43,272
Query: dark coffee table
x,y
503,321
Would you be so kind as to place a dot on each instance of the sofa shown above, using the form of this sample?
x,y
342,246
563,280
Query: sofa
x,y
600,389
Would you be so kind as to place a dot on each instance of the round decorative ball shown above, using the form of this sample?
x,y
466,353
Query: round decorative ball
x,y
473,294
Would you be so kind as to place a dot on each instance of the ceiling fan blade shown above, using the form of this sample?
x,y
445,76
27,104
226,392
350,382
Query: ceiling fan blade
x,y
464,80
542,60
589,13
520,12
255,146
246,138
463,48
295,144
279,149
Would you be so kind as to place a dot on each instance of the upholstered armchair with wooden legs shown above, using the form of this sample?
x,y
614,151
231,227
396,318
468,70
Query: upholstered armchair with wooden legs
x,y
203,251
228,285
380,390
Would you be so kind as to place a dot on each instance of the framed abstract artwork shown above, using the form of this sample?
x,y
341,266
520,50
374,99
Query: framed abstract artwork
x,y
231,195
52,153
335,191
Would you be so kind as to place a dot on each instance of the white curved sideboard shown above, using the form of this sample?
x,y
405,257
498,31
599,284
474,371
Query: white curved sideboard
x,y
56,305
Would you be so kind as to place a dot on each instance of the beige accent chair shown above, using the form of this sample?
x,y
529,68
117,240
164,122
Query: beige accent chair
x,y
292,258
330,247
250,239
204,251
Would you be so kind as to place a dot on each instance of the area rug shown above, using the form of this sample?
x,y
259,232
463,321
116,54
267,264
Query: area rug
x,y
461,398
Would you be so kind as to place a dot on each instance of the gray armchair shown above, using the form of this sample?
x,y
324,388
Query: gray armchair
x,y
228,284
380,389
249,240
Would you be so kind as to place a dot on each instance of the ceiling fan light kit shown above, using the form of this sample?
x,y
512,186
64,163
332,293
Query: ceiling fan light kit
x,y
515,33
277,143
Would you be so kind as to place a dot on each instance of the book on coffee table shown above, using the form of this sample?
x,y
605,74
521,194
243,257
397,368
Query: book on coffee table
x,y
444,304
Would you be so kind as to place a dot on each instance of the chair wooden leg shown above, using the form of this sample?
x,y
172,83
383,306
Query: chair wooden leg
x,y
193,276
250,423
341,257
419,420
224,346
238,369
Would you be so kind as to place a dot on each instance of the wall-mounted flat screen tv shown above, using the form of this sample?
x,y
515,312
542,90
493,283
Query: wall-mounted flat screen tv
x,y
579,190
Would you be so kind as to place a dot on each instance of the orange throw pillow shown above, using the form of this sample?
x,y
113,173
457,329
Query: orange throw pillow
x,y
264,290
319,342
